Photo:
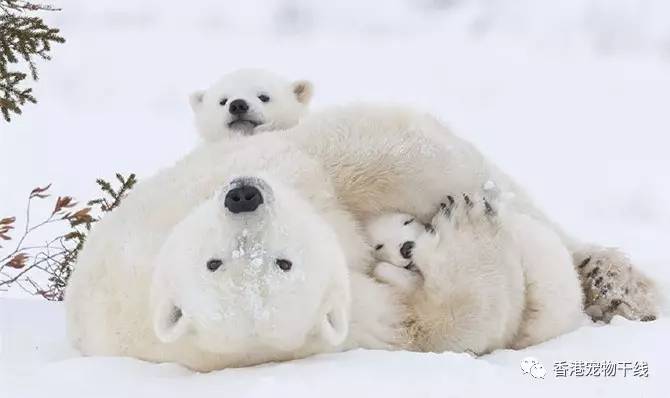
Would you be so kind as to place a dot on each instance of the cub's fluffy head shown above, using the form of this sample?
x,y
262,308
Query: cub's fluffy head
x,y
248,101
393,236
255,268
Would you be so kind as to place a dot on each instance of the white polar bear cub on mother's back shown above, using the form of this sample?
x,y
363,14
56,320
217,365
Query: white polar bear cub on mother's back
x,y
249,101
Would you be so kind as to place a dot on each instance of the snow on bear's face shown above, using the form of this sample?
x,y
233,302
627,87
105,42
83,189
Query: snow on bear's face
x,y
248,101
253,268
393,236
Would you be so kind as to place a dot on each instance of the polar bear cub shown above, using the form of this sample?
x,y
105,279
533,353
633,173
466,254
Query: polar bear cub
x,y
478,278
249,101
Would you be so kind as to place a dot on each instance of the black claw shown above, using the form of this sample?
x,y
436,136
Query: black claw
x,y
445,210
447,207
648,318
468,202
593,272
489,209
585,262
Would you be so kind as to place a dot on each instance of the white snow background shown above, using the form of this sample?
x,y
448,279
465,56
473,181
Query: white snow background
x,y
571,97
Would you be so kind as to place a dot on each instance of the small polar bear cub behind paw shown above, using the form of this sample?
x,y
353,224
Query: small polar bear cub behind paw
x,y
394,237
249,101
477,278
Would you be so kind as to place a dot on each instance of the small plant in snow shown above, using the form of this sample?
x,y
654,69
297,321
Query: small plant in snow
x,y
44,269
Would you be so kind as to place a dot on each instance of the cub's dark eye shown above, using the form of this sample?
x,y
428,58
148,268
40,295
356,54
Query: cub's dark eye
x,y
223,101
214,264
264,98
411,220
379,247
283,264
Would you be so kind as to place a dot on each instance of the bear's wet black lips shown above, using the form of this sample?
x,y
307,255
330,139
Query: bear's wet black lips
x,y
244,123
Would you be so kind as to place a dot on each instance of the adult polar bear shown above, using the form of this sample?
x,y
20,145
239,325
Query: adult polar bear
x,y
358,161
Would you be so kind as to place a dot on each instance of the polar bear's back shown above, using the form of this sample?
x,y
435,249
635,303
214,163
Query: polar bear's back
x,y
391,158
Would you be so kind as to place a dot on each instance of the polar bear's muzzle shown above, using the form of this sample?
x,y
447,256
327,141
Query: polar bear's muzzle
x,y
246,194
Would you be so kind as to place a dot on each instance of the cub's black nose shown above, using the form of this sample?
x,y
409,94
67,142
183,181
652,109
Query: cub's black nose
x,y
243,199
406,249
238,107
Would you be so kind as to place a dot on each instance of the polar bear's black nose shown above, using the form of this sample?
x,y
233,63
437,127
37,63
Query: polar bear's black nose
x,y
243,199
406,249
238,107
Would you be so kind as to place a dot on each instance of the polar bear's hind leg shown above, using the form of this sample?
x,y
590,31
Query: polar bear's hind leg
x,y
612,286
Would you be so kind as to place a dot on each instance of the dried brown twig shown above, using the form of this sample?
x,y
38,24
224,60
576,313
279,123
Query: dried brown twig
x,y
25,265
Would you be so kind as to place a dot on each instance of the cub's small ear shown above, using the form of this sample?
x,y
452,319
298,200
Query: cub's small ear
x,y
303,91
196,99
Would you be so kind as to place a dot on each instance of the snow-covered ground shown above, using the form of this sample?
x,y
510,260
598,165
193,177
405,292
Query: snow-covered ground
x,y
570,97
36,361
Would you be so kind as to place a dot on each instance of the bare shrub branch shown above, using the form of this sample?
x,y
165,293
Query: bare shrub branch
x,y
26,266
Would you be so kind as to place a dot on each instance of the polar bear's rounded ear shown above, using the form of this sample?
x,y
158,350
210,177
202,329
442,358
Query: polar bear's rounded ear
x,y
169,322
303,91
335,324
196,99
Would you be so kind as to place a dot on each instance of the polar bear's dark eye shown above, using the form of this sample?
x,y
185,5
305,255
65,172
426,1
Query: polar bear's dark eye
x,y
264,98
411,220
283,264
223,101
379,247
214,264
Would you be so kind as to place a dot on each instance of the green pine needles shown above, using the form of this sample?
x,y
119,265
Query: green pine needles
x,y
24,38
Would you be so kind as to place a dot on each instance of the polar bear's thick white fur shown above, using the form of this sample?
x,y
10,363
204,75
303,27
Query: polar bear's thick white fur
x,y
477,278
279,271
173,222
347,163
249,101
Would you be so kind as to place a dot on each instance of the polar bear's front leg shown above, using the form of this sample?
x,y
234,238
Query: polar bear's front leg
x,y
472,294
462,232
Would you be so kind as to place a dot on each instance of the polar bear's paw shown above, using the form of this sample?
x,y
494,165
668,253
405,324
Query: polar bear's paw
x,y
612,286
464,228
465,211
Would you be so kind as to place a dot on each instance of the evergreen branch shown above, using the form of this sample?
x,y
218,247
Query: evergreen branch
x,y
22,6
23,39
